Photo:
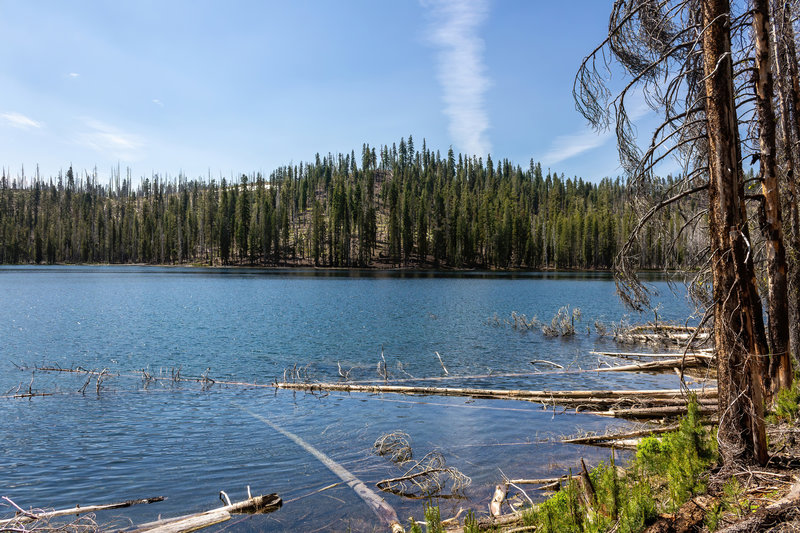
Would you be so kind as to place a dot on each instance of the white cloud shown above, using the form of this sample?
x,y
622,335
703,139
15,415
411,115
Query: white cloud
x,y
111,141
73,74
566,146
18,120
158,102
461,70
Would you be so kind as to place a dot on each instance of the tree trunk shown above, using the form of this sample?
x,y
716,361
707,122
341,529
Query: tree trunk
x,y
790,87
780,365
738,325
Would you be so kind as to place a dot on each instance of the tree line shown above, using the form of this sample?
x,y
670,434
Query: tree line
x,y
396,207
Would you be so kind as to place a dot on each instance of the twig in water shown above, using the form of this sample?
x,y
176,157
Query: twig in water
x,y
344,375
446,373
509,482
535,361
383,371
100,379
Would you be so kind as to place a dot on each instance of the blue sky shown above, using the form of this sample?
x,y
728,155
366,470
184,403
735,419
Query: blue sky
x,y
243,86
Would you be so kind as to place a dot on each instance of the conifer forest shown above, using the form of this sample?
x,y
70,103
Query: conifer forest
x,y
393,207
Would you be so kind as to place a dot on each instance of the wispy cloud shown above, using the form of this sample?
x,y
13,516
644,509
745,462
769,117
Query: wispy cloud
x,y
158,102
18,120
461,70
73,74
566,146
111,141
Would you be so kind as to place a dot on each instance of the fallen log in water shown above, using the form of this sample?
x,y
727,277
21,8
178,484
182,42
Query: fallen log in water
x,y
666,327
652,412
31,516
650,366
533,395
587,400
182,524
611,437
649,355
382,510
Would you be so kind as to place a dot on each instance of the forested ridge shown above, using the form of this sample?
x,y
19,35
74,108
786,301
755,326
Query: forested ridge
x,y
397,207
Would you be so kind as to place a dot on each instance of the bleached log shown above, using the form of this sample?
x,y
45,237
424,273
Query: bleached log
x,y
540,481
532,395
595,439
192,522
649,355
650,412
666,364
189,523
499,497
30,517
382,510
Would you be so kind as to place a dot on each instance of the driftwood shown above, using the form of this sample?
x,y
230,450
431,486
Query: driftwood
x,y
491,522
611,437
382,510
650,366
653,412
31,516
623,404
647,355
665,327
258,504
499,497
588,494
544,396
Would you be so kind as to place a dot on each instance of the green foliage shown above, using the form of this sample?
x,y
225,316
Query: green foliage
x,y
732,501
680,458
471,523
787,404
672,466
433,521
560,512
414,527
416,209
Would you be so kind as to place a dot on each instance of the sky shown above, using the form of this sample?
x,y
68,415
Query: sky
x,y
223,88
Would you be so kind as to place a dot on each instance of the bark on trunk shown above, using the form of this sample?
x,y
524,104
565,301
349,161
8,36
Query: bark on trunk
x,y
739,334
780,366
789,91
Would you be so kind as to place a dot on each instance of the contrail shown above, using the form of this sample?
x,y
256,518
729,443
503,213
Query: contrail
x,y
461,71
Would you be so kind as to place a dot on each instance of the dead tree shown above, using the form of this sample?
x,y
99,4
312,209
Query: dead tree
x,y
680,55
780,368
738,325
788,89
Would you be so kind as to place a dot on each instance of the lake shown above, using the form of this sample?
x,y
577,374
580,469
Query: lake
x,y
187,441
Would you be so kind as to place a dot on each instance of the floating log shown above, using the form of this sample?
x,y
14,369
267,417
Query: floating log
x,y
531,395
649,355
666,327
665,364
539,481
181,524
611,437
382,510
31,516
651,412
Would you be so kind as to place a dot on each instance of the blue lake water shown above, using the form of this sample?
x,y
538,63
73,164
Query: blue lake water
x,y
187,442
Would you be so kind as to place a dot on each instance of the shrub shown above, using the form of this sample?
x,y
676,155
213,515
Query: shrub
x,y
786,404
